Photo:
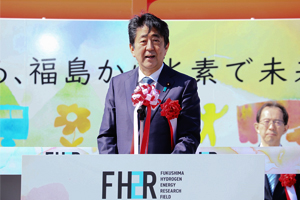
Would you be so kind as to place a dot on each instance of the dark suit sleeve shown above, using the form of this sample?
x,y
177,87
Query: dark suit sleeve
x,y
107,138
297,185
188,122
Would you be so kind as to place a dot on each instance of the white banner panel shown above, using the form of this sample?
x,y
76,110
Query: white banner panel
x,y
176,177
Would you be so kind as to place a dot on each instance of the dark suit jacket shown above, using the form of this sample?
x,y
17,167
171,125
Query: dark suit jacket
x,y
116,132
279,193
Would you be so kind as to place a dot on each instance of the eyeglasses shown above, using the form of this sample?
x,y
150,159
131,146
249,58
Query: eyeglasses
x,y
267,122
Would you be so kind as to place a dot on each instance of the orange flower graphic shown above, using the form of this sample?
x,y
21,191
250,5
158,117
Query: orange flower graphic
x,y
72,117
294,136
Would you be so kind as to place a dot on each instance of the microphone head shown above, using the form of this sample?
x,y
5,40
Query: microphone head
x,y
141,111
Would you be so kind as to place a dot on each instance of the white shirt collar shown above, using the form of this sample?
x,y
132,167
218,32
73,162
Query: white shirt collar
x,y
154,76
261,145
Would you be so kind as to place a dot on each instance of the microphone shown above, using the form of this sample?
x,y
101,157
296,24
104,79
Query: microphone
x,y
142,112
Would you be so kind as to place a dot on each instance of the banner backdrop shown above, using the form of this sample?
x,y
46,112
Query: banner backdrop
x,y
54,75
164,9
278,160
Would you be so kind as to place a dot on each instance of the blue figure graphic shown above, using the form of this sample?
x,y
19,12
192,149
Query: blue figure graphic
x,y
13,128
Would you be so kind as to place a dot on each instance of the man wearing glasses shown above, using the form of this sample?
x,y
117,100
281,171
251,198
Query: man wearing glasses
x,y
271,123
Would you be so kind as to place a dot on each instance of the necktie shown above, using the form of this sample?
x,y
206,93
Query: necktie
x,y
148,80
273,178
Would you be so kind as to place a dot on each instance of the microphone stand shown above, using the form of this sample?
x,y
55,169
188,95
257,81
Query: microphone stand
x,y
142,114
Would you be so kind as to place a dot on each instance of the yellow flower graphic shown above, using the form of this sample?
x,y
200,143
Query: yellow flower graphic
x,y
72,117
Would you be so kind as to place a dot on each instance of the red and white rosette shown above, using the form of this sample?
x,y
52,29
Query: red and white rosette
x,y
288,181
146,95
171,110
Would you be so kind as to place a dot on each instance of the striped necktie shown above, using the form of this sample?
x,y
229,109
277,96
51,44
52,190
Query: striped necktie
x,y
273,179
148,80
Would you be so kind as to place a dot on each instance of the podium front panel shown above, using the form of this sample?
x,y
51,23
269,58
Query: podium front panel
x,y
176,177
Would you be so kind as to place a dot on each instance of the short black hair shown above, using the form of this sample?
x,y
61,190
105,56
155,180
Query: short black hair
x,y
150,21
273,104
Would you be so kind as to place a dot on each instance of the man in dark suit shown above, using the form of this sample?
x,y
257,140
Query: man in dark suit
x,y
279,192
149,43
271,124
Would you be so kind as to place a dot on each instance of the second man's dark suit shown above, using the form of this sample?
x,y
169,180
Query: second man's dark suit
x,y
279,192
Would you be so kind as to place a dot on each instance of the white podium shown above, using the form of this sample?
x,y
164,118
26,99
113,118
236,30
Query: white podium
x,y
176,177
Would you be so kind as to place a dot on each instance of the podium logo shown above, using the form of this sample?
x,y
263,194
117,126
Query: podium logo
x,y
137,183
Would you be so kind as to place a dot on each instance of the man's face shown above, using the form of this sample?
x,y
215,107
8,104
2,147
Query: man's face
x,y
271,126
149,50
